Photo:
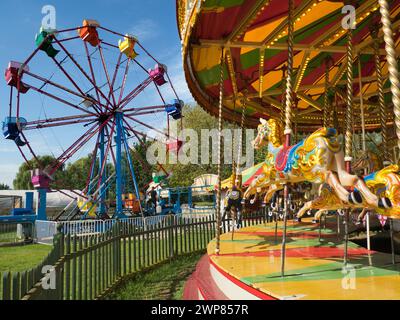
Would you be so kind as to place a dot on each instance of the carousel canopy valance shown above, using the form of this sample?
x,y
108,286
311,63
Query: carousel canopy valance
x,y
254,34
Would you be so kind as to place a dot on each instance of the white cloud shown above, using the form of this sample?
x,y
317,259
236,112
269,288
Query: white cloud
x,y
144,29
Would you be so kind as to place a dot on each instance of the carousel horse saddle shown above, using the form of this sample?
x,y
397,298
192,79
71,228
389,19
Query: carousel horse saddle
x,y
283,161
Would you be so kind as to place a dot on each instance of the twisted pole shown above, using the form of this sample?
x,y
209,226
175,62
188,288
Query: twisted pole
x,y
394,79
392,63
349,130
221,96
289,78
349,102
327,99
240,147
381,96
288,123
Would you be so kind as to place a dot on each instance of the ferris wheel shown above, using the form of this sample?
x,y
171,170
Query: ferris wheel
x,y
93,86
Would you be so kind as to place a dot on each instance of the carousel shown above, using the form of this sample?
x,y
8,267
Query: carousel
x,y
319,82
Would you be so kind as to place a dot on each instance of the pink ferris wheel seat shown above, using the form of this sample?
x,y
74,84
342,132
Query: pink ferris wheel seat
x,y
40,179
157,74
174,145
11,75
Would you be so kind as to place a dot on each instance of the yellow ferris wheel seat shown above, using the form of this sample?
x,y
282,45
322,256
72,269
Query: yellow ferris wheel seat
x,y
127,46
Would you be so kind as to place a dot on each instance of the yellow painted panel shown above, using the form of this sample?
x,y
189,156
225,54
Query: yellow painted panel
x,y
205,58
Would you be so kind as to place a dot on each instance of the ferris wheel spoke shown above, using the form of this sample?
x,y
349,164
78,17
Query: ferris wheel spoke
x,y
25,158
112,91
92,73
103,62
79,143
58,124
62,100
135,132
47,81
135,92
172,86
149,127
30,148
92,164
68,76
159,107
147,112
121,93
103,164
51,120
81,69
112,150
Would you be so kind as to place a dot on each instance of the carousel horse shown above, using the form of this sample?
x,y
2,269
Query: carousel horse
x,y
385,183
317,159
326,201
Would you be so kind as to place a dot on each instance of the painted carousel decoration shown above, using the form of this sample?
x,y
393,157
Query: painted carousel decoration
x,y
295,66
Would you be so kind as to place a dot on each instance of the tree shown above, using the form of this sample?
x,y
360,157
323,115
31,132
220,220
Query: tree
x,y
22,180
77,173
194,117
4,186
143,170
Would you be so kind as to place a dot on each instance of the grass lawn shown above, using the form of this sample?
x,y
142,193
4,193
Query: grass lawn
x,y
163,282
21,258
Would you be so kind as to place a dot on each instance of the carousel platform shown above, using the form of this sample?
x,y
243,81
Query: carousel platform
x,y
248,267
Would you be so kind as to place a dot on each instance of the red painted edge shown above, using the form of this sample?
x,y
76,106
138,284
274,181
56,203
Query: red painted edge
x,y
190,289
242,285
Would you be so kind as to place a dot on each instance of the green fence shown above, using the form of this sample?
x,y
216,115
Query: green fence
x,y
86,268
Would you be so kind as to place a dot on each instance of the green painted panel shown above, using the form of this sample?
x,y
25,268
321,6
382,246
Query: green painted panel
x,y
222,3
328,271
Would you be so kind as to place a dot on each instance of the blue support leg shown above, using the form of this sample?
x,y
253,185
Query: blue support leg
x,y
102,197
119,210
41,204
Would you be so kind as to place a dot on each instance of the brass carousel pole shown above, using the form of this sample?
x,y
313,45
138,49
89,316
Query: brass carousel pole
x,y
381,96
394,80
349,129
288,123
363,143
221,96
238,174
327,120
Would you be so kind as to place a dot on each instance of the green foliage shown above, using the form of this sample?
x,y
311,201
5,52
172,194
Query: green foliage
x,y
22,180
4,186
194,117
77,173
143,170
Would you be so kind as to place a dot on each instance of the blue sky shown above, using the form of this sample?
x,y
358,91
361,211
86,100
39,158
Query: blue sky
x,y
153,22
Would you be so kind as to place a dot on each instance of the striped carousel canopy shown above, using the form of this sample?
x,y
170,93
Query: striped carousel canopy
x,y
253,34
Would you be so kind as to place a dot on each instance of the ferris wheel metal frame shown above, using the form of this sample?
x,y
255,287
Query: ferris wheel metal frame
x,y
107,114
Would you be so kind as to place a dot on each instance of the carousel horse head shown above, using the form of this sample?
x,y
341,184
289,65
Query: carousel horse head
x,y
268,131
